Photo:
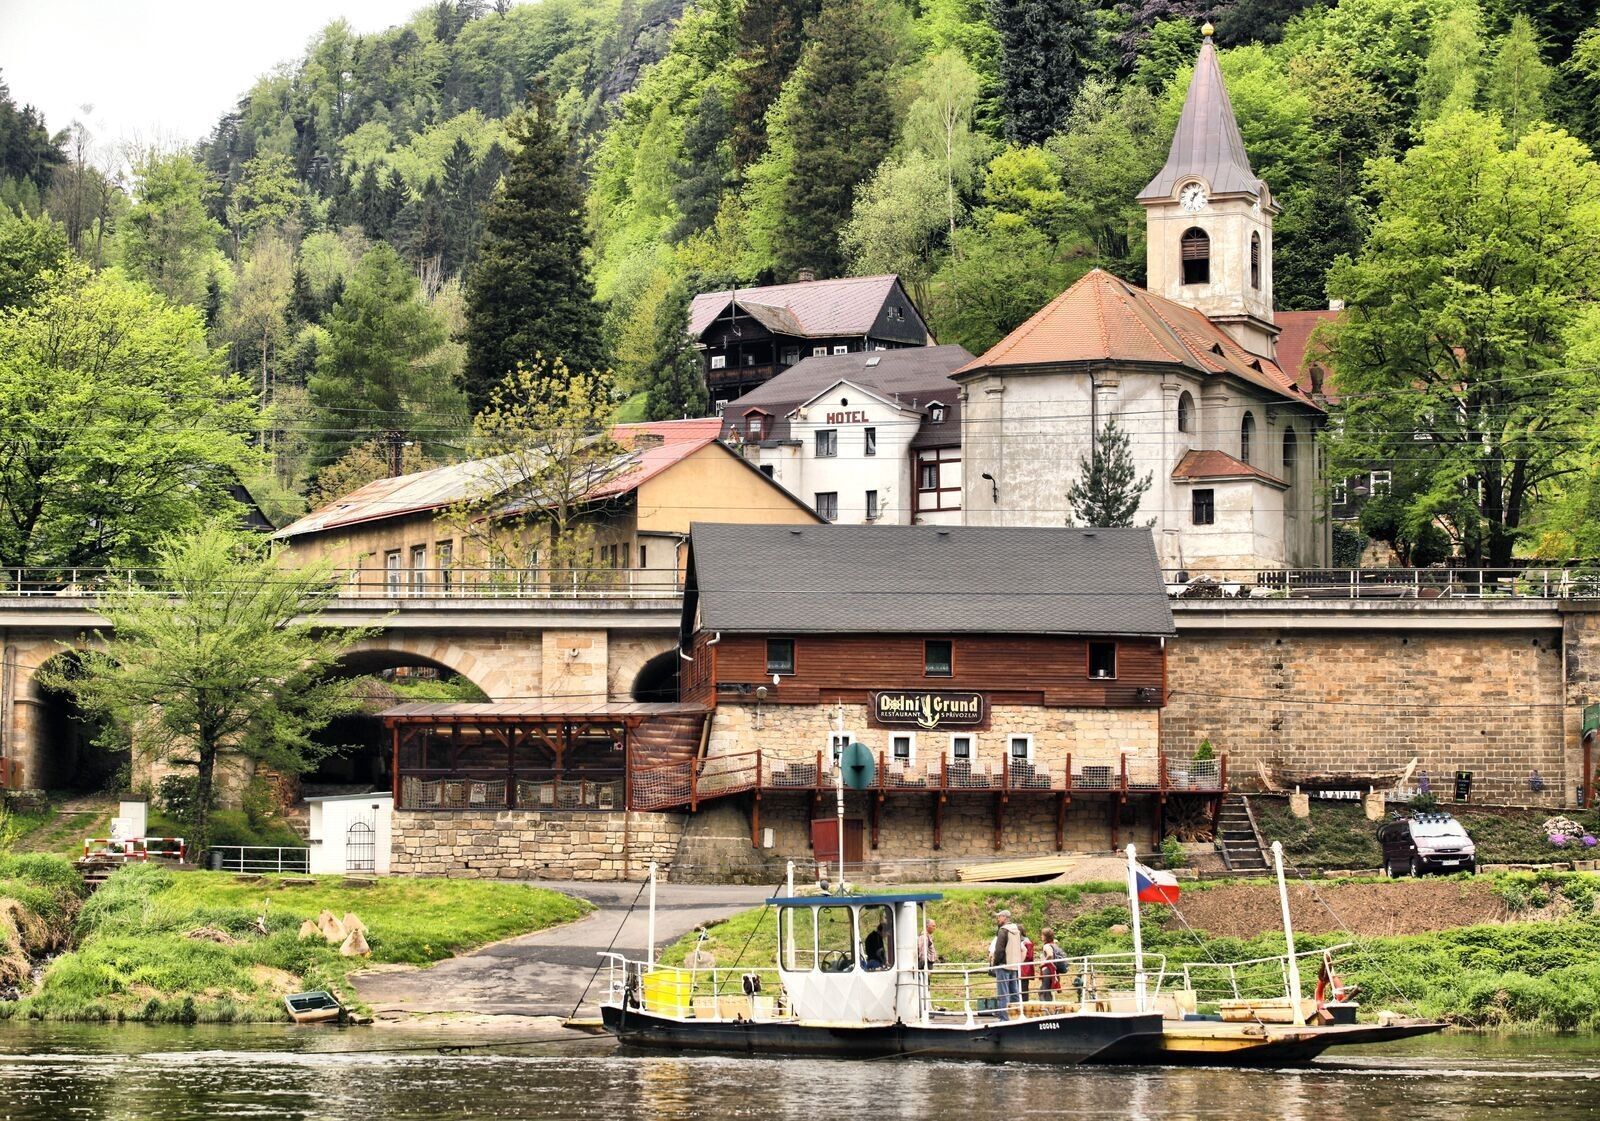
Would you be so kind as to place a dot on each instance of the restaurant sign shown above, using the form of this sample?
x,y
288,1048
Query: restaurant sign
x,y
929,710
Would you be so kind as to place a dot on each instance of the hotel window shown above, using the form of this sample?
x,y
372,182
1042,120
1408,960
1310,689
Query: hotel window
x,y
1021,749
1380,483
837,742
938,479
719,361
961,748
1341,492
903,747
444,553
870,438
827,505
938,658
780,655
827,443
872,505
391,572
419,569
1247,431
1196,248
1103,660
1205,507
841,348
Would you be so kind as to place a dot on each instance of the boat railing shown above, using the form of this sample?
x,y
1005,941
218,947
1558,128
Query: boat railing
x,y
1251,977
689,991
1086,983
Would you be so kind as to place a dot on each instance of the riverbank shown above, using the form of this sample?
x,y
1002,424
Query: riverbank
x,y
39,898
1518,950
163,946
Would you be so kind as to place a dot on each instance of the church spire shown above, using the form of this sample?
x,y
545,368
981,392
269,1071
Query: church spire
x,y
1207,145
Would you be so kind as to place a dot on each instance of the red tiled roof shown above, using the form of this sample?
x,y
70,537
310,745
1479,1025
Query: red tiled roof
x,y
1293,341
695,428
808,308
1213,464
1104,319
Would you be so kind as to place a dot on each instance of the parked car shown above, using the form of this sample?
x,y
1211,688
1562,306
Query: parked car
x,y
1430,842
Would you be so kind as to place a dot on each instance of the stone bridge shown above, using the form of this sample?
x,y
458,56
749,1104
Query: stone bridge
x,y
1496,686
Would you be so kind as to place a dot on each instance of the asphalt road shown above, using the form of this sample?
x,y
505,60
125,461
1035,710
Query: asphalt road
x,y
546,974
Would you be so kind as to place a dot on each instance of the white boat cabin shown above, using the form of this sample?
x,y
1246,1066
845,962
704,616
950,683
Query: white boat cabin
x,y
852,958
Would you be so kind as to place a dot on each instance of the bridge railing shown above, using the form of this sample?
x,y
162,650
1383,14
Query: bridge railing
x,y
388,583
1384,583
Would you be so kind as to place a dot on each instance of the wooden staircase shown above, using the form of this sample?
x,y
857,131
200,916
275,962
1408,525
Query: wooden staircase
x,y
1238,839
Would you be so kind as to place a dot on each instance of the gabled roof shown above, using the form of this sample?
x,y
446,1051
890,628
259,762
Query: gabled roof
x,y
1207,143
1104,319
895,579
807,308
1213,464
1296,353
434,489
915,376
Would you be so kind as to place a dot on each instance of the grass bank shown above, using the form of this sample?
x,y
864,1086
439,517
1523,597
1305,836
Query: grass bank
x,y
135,959
39,896
1517,974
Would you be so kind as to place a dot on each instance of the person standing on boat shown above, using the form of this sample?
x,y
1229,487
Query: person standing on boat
x,y
1005,957
927,953
1027,967
1045,964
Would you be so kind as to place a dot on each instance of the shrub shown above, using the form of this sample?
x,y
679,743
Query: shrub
x,y
1205,751
1172,854
1426,802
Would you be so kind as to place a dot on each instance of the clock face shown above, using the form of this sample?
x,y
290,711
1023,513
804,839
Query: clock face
x,y
1193,198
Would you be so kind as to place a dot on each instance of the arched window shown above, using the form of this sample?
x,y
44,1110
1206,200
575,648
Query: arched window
x,y
1255,260
1289,453
1247,430
1196,256
1185,411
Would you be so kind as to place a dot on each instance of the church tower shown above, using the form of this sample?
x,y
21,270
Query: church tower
x,y
1208,219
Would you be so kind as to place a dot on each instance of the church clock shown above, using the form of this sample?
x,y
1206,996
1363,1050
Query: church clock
x,y
1193,198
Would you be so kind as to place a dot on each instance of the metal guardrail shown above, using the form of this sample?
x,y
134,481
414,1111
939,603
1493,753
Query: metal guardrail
x,y
1384,583
258,858
386,583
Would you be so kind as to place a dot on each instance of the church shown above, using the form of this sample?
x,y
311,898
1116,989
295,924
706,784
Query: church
x,y
1191,368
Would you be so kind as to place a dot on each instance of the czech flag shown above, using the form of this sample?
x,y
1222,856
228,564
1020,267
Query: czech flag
x,y
1155,887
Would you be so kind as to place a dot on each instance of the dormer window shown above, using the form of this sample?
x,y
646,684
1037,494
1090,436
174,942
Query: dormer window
x,y
1196,248
755,427
936,414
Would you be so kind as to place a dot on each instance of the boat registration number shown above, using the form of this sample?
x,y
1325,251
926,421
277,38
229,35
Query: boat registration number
x,y
1049,1027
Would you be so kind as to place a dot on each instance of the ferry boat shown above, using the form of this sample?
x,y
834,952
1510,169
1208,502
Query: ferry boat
x,y
847,983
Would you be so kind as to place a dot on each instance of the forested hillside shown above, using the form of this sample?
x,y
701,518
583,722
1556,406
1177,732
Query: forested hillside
x,y
376,226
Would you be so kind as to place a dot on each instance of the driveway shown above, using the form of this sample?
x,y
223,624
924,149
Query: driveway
x,y
545,974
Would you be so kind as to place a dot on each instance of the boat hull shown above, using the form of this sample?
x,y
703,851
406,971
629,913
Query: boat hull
x,y
1210,1043
1067,1039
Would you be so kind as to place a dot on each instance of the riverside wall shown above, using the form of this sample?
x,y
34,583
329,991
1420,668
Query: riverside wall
x,y
527,845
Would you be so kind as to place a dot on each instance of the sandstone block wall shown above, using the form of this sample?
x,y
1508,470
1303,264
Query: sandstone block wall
x,y
1491,702
523,845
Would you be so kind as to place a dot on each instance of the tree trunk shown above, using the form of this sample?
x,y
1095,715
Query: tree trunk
x,y
205,783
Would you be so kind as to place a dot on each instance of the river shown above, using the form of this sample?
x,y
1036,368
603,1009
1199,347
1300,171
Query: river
x,y
53,1072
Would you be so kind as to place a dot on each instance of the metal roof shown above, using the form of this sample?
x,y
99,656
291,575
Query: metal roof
x,y
551,708
777,579
848,305
852,900
1207,143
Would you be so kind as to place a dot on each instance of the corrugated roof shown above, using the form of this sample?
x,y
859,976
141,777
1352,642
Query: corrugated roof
x,y
932,579
1103,318
1294,339
917,375
554,707
1213,464
807,308
1207,143
424,491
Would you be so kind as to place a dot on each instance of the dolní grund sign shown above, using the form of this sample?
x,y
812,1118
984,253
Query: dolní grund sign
x,y
927,709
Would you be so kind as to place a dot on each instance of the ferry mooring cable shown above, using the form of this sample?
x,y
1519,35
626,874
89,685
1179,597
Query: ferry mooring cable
x,y
601,963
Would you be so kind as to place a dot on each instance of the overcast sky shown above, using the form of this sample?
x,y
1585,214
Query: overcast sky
x,y
159,70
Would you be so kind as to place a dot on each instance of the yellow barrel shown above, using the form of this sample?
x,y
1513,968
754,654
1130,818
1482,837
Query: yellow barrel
x,y
667,991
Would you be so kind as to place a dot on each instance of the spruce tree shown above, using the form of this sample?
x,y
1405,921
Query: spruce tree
x,y
674,386
528,293
1107,492
1043,47
771,37
840,136
703,173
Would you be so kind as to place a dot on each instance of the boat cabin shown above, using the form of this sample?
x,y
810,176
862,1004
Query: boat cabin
x,y
848,958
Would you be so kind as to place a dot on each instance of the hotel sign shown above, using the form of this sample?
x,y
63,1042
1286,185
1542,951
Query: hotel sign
x,y
929,710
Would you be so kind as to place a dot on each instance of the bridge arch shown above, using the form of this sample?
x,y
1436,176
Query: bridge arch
x,y
657,679
57,739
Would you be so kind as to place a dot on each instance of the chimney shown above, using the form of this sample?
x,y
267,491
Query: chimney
x,y
805,276
648,440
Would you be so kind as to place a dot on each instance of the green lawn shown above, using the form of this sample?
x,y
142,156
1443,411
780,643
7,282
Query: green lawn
x,y
133,960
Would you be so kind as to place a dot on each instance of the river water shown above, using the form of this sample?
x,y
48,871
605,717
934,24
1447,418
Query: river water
x,y
54,1072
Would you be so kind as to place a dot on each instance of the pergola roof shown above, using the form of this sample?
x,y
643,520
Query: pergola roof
x,y
553,708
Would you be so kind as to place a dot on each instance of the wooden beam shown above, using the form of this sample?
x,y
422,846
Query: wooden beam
x,y
875,805
1061,821
999,822
755,819
1116,823
938,822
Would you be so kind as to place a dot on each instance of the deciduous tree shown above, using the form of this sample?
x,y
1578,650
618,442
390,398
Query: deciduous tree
x,y
169,238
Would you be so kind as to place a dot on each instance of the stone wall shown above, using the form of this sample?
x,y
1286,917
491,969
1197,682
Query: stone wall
x,y
1488,701
526,845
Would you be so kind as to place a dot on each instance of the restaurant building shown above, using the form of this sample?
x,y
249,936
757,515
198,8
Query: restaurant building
x,y
1009,683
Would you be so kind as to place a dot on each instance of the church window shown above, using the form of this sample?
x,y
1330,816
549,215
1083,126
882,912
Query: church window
x,y
1196,256
1255,260
1289,452
1185,411
1247,430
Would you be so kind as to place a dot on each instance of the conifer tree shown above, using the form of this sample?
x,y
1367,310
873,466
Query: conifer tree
x,y
1043,45
771,37
674,386
703,172
1107,492
528,293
